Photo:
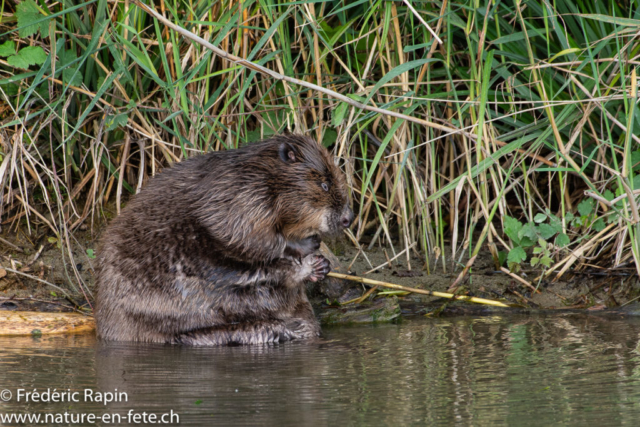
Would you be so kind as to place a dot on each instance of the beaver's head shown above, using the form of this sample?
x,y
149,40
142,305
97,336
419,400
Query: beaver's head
x,y
310,191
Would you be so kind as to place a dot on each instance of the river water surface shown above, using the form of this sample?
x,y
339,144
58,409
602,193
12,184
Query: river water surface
x,y
519,370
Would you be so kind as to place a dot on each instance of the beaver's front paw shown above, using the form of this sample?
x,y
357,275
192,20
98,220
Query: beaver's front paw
x,y
319,265
301,248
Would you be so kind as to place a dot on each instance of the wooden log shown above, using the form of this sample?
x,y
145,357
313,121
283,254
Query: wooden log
x,y
16,323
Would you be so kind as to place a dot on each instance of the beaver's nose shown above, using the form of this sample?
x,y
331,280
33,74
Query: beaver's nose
x,y
347,218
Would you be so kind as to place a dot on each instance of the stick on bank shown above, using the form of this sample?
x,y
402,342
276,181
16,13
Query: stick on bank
x,y
417,291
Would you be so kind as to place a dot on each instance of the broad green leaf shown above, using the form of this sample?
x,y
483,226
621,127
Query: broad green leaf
x,y
338,114
534,261
115,121
555,222
27,13
539,218
70,75
585,207
516,255
7,48
329,138
562,240
546,231
599,225
18,62
34,55
30,55
511,228
546,261
528,234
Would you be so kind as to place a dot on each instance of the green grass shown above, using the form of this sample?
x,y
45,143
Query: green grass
x,y
544,91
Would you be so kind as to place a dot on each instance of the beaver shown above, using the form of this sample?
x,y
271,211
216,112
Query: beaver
x,y
216,249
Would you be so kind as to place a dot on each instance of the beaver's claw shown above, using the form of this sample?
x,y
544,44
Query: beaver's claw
x,y
320,266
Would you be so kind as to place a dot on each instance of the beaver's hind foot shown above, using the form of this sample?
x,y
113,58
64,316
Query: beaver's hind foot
x,y
250,333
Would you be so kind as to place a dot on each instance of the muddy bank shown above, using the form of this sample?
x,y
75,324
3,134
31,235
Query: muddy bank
x,y
38,274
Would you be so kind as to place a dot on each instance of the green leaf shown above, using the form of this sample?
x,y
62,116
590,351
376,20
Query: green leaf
x,y
511,228
90,254
609,195
69,74
329,138
528,234
502,257
585,207
18,62
537,250
115,121
34,55
599,225
30,55
562,240
7,48
516,255
27,13
535,260
555,222
539,218
547,231
546,261
338,114
569,217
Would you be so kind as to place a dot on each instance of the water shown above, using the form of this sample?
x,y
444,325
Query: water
x,y
519,370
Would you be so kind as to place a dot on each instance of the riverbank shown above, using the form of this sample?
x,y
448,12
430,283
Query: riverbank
x,y
38,275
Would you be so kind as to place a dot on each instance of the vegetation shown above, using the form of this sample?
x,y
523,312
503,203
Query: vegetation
x,y
525,139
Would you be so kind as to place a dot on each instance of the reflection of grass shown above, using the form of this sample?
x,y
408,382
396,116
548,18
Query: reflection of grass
x,y
545,95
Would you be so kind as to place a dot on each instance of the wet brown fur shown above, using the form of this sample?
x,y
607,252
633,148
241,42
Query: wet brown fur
x,y
215,250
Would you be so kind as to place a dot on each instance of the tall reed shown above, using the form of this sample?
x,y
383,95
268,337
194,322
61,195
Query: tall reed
x,y
97,97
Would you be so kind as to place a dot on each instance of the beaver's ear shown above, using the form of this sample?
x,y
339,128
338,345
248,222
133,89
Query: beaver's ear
x,y
287,153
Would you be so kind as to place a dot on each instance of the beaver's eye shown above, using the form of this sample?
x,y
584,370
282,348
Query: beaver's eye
x,y
325,186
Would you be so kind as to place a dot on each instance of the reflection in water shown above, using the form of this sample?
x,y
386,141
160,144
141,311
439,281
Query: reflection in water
x,y
578,370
